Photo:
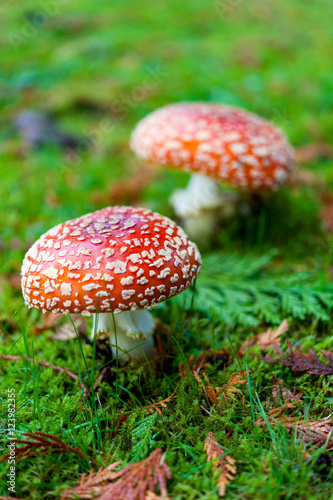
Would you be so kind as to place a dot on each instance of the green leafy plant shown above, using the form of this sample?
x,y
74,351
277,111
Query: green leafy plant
x,y
247,290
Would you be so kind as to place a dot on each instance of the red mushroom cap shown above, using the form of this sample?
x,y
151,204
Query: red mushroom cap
x,y
118,258
228,144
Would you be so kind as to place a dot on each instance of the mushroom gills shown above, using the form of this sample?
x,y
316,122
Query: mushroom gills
x,y
133,336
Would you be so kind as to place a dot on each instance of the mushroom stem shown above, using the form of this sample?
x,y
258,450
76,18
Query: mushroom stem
x,y
130,333
199,206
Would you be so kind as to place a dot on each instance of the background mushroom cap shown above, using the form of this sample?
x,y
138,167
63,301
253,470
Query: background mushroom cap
x,y
118,258
225,143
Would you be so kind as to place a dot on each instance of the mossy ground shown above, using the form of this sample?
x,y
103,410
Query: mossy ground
x,y
100,67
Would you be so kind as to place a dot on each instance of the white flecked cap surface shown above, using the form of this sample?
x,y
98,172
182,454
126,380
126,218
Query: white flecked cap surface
x,y
228,144
115,259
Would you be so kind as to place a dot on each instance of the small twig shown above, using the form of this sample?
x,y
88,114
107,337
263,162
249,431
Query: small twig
x,y
46,364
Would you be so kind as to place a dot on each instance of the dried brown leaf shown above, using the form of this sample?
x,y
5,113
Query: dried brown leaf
x,y
14,280
137,481
240,378
308,431
280,391
265,340
129,190
312,152
162,357
49,320
210,391
152,496
64,332
201,361
225,464
228,389
274,413
326,213
307,178
149,409
156,406
300,361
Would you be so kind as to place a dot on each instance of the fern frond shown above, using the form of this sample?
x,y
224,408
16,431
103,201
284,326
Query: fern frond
x,y
142,437
247,290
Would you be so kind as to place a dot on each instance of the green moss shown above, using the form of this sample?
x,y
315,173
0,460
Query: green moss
x,y
89,64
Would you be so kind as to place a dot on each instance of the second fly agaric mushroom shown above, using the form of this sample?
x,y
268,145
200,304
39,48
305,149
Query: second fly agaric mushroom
x,y
217,143
119,260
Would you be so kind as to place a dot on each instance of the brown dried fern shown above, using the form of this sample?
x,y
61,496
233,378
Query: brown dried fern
x,y
137,481
201,361
42,443
300,361
224,463
314,432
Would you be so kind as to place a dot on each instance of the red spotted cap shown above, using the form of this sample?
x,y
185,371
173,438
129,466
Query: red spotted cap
x,y
225,143
116,259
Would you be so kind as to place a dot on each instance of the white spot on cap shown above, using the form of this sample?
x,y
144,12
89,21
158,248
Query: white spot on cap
x,y
127,294
51,272
90,286
83,251
108,252
66,289
127,281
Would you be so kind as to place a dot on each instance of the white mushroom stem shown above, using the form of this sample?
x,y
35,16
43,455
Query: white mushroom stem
x,y
130,333
198,206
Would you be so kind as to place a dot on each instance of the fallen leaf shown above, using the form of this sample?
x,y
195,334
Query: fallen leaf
x,y
228,389
307,178
240,378
67,331
300,361
162,357
149,409
14,280
265,340
64,332
312,152
326,213
136,481
309,431
202,360
209,390
225,464
156,406
280,391
129,190
49,320
275,412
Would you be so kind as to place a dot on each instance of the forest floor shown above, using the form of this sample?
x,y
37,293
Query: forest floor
x,y
97,68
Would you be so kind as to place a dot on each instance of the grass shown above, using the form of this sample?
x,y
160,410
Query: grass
x,y
99,68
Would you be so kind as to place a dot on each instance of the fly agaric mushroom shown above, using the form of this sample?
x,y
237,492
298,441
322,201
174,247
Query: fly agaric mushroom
x,y
119,260
219,144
